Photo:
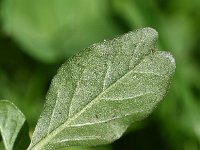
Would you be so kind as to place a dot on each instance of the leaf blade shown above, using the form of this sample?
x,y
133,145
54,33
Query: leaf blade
x,y
88,88
13,126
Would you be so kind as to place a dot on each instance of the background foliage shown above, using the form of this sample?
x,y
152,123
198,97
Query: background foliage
x,y
36,36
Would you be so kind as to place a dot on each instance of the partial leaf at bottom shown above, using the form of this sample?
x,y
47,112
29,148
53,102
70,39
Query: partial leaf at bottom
x,y
13,127
100,91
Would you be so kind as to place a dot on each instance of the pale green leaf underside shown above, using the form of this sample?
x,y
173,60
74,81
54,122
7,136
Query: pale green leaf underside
x,y
11,122
100,91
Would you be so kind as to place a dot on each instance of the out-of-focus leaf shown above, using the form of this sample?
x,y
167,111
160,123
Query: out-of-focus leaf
x,y
13,127
136,13
100,91
53,30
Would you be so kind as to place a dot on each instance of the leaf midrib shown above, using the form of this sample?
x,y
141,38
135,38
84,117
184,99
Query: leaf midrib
x,y
57,130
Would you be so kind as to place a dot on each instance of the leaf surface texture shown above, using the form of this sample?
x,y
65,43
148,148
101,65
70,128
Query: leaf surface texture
x,y
102,90
13,127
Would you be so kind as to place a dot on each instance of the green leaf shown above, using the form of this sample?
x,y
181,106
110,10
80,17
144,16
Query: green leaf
x,y
13,127
87,148
50,30
102,90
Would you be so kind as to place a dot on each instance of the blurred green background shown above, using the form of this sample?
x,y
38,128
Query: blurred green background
x,y
37,36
